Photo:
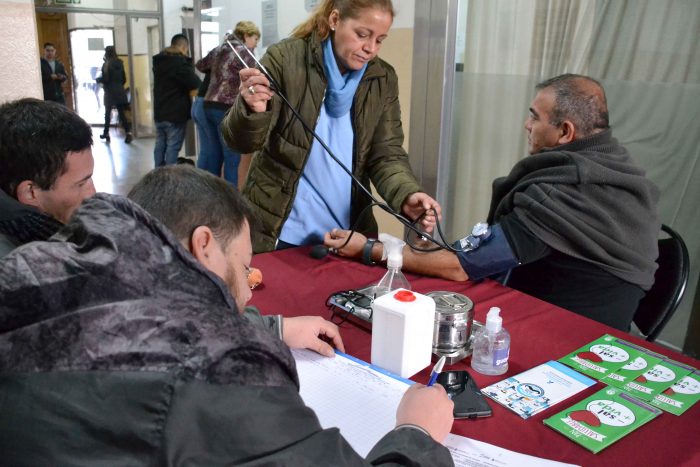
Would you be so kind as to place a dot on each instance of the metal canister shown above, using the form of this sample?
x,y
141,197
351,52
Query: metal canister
x,y
454,316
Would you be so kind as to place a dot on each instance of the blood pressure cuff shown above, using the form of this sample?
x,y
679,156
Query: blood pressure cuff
x,y
491,257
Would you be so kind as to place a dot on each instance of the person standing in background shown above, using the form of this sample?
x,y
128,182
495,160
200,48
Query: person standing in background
x,y
173,79
329,70
224,68
53,74
113,79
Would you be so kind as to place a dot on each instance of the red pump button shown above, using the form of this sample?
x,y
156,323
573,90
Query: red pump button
x,y
404,296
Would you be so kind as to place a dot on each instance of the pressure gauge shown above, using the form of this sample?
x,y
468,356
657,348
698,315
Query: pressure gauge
x,y
480,229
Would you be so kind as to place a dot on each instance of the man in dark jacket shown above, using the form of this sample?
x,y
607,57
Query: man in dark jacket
x,y
46,169
53,74
575,223
173,80
119,339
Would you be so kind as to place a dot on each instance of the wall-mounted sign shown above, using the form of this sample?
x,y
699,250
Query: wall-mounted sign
x,y
310,4
269,22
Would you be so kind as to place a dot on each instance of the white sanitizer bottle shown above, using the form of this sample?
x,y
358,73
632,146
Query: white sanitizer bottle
x,y
394,278
491,346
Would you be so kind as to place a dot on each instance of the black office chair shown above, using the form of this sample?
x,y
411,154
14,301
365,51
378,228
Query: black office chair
x,y
661,301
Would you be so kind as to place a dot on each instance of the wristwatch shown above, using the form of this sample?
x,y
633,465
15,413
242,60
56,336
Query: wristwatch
x,y
367,252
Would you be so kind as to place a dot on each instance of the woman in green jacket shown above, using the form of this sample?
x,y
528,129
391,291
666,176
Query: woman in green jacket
x,y
329,71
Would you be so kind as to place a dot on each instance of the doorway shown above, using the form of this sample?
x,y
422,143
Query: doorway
x,y
53,27
87,49
84,35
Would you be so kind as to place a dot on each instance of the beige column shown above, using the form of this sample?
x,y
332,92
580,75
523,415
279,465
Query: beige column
x,y
20,75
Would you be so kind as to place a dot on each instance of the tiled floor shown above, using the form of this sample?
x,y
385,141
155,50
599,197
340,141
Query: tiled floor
x,y
118,166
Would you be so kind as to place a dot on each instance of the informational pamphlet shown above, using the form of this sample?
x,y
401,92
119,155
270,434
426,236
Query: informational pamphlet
x,y
603,418
601,357
538,388
641,360
657,379
681,396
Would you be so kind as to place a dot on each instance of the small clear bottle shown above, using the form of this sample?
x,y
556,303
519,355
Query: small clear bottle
x,y
394,278
491,346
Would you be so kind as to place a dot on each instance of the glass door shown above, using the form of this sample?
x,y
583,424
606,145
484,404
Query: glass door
x,y
144,40
136,40
87,50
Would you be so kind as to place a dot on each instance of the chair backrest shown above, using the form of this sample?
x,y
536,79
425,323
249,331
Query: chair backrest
x,y
661,301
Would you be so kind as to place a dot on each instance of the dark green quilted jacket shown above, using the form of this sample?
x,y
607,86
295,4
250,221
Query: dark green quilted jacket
x,y
283,145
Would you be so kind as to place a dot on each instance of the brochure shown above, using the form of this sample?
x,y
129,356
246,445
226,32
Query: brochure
x,y
641,360
657,379
603,418
681,396
538,388
601,357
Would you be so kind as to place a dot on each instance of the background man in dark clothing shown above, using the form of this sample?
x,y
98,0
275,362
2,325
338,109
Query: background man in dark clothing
x,y
46,161
52,75
173,80
578,217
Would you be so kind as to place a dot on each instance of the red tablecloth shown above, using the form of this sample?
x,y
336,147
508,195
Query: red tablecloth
x,y
296,284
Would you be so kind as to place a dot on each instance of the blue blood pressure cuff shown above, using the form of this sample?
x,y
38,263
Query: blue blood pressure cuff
x,y
491,255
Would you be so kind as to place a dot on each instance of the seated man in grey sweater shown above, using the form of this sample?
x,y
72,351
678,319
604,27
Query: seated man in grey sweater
x,y
122,344
574,224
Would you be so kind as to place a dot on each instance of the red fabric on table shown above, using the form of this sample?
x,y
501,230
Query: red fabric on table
x,y
296,285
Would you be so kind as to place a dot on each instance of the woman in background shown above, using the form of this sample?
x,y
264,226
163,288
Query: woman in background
x,y
113,79
330,72
223,67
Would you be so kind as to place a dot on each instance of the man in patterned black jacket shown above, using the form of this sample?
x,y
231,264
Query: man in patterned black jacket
x,y
119,343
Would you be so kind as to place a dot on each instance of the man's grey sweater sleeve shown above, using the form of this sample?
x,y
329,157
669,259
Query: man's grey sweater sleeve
x,y
271,322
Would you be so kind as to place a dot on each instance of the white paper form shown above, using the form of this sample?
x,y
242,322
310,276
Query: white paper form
x,y
361,400
468,452
351,395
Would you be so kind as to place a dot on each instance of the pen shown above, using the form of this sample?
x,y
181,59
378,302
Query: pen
x,y
436,371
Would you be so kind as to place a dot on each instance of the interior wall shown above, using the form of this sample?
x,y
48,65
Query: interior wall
x,y
173,18
397,49
18,51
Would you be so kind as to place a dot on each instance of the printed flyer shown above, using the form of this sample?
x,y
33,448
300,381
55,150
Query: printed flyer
x,y
538,388
603,418
681,396
641,360
601,357
657,379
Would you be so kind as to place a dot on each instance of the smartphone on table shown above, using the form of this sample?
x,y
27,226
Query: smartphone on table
x,y
462,389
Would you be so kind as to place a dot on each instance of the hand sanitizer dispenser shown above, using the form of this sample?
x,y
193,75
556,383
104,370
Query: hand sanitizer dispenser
x,y
394,278
402,331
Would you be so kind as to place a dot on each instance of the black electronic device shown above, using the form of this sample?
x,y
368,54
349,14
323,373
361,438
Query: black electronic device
x,y
353,303
462,389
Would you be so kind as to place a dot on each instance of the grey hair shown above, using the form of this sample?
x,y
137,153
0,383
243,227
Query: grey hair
x,y
579,99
